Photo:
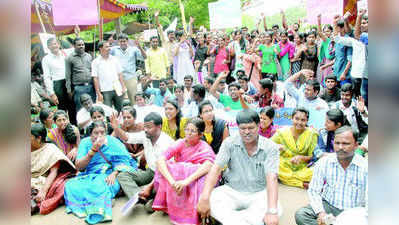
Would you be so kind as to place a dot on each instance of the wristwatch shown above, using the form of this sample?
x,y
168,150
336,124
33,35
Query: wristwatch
x,y
272,211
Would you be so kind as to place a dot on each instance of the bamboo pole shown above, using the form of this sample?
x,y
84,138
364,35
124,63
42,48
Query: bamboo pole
x,y
39,16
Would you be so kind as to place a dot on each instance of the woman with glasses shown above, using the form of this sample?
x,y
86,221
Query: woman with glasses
x,y
179,183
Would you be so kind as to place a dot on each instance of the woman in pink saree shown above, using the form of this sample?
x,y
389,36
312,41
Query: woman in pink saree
x,y
179,183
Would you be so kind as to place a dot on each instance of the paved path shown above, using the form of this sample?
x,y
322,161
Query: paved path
x,y
291,199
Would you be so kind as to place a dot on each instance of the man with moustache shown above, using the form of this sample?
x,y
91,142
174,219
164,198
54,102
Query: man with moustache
x,y
155,143
250,194
78,74
339,181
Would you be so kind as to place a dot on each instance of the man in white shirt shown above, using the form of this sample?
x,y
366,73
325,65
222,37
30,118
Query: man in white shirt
x,y
108,77
309,98
53,65
155,143
83,118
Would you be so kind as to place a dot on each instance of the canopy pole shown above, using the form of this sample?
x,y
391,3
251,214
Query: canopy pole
x,y
100,21
39,16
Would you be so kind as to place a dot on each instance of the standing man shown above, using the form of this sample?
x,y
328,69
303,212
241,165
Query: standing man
x,y
339,181
78,73
169,43
53,65
250,195
108,77
128,57
157,63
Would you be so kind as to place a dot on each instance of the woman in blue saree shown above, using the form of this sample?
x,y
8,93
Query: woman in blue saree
x,y
100,158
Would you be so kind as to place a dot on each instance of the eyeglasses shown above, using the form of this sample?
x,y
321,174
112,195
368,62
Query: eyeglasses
x,y
192,131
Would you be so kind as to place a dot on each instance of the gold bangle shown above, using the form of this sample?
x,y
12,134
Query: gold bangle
x,y
91,152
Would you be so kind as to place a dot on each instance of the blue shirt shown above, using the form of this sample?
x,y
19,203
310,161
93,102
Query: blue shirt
x,y
127,59
158,97
343,54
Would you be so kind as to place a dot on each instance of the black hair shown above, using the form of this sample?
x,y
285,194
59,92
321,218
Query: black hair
x,y
140,94
179,34
153,37
268,33
123,36
243,77
347,87
341,23
96,109
170,31
300,109
275,25
130,110
50,40
126,102
39,130
328,26
234,84
203,104
153,117
266,83
337,116
188,77
96,124
247,116
310,33
198,123
268,111
179,116
330,77
101,44
84,96
210,80
291,37
345,129
163,80
284,32
199,89
301,35
59,113
180,86
44,114
297,24
222,81
77,39
315,84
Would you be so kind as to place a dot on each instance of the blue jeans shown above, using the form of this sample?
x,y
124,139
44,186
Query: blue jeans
x,y
365,90
83,89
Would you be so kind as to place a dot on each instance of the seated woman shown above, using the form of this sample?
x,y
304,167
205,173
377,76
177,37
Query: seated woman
x,y
46,118
216,130
179,183
49,168
97,113
174,122
298,142
65,135
266,127
129,125
100,158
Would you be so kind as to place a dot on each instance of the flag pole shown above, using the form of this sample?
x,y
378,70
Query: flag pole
x,y
40,17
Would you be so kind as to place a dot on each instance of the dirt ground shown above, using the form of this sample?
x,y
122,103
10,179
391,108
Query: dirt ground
x,y
291,199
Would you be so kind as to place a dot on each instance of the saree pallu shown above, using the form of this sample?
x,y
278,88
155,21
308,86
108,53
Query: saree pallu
x,y
88,195
182,208
55,193
59,140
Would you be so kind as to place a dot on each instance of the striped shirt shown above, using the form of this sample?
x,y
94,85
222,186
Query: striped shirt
x,y
343,189
247,173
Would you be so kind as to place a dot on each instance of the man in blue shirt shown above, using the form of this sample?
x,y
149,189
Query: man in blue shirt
x,y
160,94
343,57
128,56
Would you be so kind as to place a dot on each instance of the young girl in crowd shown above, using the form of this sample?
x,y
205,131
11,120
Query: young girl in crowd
x,y
309,53
183,65
174,122
97,114
326,58
269,53
216,130
287,53
266,127
296,61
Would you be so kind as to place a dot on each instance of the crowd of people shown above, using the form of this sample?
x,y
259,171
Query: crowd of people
x,y
146,120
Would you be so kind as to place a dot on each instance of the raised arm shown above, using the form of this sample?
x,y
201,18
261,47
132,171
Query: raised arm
x,y
319,29
284,20
359,18
214,86
264,21
347,26
159,29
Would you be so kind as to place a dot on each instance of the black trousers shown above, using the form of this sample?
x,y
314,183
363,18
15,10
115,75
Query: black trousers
x,y
64,102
